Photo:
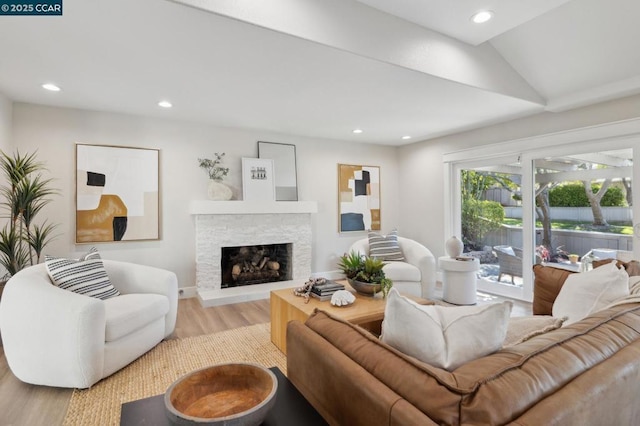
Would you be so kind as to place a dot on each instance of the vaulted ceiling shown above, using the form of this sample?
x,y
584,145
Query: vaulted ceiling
x,y
322,68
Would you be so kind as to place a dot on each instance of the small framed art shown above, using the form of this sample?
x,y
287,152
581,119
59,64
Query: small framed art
x,y
258,180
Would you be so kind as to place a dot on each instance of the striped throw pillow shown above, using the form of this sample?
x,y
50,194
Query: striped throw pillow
x,y
385,247
86,275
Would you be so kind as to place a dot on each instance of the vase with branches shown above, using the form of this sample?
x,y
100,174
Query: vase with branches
x,y
25,194
213,167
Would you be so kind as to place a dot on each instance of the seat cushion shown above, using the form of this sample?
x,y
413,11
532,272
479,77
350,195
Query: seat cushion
x,y
130,312
402,271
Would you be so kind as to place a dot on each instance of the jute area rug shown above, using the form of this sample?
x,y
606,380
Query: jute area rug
x,y
152,373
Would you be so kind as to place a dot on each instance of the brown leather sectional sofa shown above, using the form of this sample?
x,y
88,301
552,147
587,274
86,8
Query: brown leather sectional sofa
x,y
587,373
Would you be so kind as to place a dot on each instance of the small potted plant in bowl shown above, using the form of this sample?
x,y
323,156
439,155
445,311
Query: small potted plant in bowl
x,y
365,274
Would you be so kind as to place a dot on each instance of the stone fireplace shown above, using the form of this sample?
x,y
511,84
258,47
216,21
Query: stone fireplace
x,y
237,224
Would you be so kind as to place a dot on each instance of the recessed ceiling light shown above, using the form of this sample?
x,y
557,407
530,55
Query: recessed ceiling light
x,y
482,16
165,104
406,137
50,86
357,131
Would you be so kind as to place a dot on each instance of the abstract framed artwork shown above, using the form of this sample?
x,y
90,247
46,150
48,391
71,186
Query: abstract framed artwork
x,y
258,180
117,194
358,198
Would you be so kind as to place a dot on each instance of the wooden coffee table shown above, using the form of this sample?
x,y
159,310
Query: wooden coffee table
x,y
366,311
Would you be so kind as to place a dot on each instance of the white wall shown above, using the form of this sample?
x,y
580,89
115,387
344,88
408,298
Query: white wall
x,y
6,113
422,169
54,132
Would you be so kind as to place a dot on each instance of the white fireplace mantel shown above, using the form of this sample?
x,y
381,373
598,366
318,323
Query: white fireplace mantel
x,y
206,207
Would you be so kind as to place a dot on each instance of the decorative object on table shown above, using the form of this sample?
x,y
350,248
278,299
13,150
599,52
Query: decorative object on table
x,y
116,194
284,167
320,288
217,190
358,198
323,289
258,181
454,247
26,192
573,258
342,298
225,394
365,274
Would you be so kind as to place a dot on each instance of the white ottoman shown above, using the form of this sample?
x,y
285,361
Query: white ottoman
x,y
459,280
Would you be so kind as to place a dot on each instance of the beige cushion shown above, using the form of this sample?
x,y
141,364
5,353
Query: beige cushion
x,y
521,329
590,291
401,271
445,337
130,312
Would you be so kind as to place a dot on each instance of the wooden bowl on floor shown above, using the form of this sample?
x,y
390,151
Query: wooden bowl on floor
x,y
229,394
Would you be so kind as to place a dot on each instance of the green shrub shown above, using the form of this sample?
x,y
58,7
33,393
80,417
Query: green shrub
x,y
478,219
573,195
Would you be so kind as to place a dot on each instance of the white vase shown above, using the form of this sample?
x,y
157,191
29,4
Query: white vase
x,y
454,247
218,191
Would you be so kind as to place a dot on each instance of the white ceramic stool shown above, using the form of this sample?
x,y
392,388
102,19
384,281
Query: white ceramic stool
x,y
459,280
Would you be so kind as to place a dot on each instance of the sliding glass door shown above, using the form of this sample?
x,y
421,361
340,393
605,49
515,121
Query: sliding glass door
x,y
562,205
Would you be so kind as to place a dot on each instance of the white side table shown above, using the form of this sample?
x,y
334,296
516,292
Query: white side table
x,y
459,280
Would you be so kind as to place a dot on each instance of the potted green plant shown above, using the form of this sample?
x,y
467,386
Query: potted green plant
x,y
365,273
217,191
25,193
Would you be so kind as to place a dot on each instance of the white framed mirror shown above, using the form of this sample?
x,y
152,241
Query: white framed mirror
x,y
284,160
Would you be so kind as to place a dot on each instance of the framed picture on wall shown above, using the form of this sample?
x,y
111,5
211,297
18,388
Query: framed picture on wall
x,y
284,167
117,194
258,180
358,198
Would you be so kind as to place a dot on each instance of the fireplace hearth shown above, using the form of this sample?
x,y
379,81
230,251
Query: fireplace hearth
x,y
255,264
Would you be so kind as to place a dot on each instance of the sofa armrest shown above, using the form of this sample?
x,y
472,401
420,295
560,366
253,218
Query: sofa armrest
x,y
51,336
324,375
421,257
131,278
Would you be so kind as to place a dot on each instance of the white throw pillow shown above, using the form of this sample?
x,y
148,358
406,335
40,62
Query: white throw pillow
x,y
445,337
588,292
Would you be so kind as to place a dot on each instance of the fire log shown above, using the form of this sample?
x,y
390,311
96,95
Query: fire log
x,y
273,265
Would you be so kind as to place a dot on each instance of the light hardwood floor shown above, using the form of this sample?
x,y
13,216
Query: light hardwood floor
x,y
28,405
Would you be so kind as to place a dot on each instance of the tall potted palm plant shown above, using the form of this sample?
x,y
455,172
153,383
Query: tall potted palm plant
x,y
25,192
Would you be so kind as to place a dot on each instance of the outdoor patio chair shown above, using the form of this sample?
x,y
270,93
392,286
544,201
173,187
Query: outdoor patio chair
x,y
510,261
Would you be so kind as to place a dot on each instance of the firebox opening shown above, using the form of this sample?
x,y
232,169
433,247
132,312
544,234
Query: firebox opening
x,y
246,265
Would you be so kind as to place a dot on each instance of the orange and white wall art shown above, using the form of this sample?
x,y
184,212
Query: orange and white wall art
x,y
359,198
116,194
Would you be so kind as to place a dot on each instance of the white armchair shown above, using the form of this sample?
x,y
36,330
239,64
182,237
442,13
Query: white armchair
x,y
55,337
416,275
